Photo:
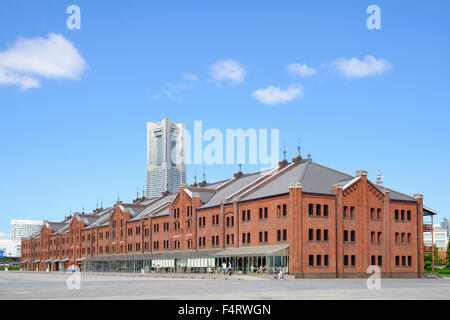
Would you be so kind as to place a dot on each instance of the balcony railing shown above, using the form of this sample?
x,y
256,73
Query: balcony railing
x,y
427,227
427,249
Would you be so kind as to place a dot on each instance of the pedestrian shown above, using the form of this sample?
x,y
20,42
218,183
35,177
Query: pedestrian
x,y
281,274
229,268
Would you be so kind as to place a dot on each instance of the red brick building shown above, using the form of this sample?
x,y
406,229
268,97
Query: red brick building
x,y
313,220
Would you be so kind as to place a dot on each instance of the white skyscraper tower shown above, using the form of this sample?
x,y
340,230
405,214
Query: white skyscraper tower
x,y
166,167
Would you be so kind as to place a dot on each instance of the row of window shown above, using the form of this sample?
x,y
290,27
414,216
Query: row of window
x,y
318,235
318,210
400,215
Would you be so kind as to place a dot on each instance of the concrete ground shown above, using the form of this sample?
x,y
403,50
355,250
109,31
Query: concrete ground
x,y
30,285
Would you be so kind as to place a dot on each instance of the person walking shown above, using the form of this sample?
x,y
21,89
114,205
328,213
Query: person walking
x,y
229,268
224,267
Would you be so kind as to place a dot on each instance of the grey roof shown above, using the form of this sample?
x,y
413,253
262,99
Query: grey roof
x,y
232,188
156,204
395,195
133,209
163,212
55,226
314,178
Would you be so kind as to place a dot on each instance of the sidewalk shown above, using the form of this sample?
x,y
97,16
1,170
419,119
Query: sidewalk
x,y
215,276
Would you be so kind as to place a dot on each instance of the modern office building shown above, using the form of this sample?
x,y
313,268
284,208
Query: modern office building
x,y
10,248
445,224
314,221
24,228
166,167
440,238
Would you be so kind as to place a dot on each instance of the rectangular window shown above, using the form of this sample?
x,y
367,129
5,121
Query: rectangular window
x,y
278,235
284,234
345,235
380,261
311,234
311,209
318,210
319,260
345,211
265,212
311,260
408,215
284,210
318,234
346,261
353,261
409,261
352,236
325,210
325,235
325,260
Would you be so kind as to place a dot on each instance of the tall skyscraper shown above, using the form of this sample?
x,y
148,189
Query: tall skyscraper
x,y
24,228
166,167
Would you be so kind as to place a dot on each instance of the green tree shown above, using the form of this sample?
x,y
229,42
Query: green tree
x,y
448,255
427,260
437,260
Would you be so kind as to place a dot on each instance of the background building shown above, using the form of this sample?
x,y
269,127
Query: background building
x,y
10,248
19,229
24,228
445,224
440,238
166,168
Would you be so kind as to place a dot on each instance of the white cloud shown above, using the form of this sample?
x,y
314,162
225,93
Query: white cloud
x,y
355,68
275,95
29,59
4,236
300,70
168,94
227,70
189,76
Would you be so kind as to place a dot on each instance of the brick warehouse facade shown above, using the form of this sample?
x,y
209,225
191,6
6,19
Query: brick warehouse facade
x,y
315,221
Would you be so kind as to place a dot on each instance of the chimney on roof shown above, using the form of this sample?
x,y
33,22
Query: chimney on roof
x,y
239,173
298,158
284,162
360,173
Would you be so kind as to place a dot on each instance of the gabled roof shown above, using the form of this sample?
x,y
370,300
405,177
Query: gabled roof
x,y
155,205
314,178
233,188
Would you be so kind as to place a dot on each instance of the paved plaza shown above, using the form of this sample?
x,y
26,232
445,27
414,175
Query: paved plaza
x,y
39,285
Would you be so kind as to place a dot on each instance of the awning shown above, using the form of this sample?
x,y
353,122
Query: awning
x,y
64,260
48,260
80,259
429,212
53,261
36,261
274,250
25,261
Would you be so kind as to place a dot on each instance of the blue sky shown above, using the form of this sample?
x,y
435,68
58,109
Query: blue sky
x,y
80,136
